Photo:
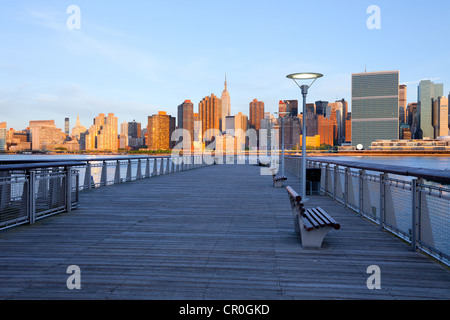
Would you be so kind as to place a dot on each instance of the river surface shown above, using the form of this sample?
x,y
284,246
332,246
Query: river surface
x,y
441,163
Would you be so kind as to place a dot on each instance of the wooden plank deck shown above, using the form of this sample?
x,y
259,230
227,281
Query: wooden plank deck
x,y
220,232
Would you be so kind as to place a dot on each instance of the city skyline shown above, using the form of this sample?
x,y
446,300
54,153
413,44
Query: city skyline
x,y
136,59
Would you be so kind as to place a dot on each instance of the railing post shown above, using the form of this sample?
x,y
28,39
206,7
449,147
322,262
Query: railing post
x,y
361,191
138,172
383,177
147,168
87,176
154,170
117,172
128,178
69,188
31,196
346,186
415,223
166,166
335,180
104,176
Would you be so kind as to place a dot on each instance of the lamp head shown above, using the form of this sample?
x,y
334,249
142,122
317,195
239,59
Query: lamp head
x,y
304,76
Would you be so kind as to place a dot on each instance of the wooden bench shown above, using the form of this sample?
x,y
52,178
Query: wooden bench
x,y
278,181
312,224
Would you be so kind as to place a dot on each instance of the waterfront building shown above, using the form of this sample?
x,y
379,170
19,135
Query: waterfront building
x,y
256,112
426,92
77,130
103,134
292,107
66,126
291,131
135,135
3,131
159,129
186,120
440,117
45,135
210,116
375,98
226,106
402,103
281,109
240,129
412,145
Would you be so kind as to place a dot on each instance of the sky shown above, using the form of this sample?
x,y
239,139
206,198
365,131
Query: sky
x,y
135,58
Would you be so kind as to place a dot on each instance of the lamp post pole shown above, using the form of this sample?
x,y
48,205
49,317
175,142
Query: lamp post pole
x,y
296,77
304,93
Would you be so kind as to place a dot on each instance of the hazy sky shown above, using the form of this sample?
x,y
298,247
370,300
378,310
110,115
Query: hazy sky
x,y
135,58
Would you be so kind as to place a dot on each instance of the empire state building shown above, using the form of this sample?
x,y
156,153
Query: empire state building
x,y
225,104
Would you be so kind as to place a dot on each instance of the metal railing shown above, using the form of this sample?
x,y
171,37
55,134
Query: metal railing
x,y
32,191
410,203
100,172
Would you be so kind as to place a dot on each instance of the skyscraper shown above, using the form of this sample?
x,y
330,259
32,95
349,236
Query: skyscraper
x,y
45,135
426,92
186,119
440,116
210,115
226,106
66,126
256,111
3,131
402,103
375,100
103,134
77,130
160,127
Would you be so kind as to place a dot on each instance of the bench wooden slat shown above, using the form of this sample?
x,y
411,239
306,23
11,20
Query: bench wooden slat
x,y
336,225
314,219
322,218
308,216
307,223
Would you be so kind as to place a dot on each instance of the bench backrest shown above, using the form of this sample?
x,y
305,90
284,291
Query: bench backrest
x,y
295,199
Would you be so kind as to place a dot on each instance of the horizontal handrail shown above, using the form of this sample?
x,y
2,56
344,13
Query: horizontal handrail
x,y
37,165
441,176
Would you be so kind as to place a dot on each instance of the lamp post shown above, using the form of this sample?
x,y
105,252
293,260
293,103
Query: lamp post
x,y
304,88
283,113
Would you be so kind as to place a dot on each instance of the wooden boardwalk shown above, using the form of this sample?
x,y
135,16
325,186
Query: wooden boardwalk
x,y
219,232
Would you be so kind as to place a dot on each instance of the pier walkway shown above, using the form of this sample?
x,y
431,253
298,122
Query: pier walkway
x,y
217,232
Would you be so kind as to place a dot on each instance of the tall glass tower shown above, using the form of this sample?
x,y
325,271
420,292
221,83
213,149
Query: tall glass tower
x,y
426,92
375,97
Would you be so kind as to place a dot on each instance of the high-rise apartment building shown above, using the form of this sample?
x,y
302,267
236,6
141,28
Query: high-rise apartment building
x,y
291,107
375,99
3,131
426,92
103,134
135,134
66,126
440,116
256,111
210,115
77,130
226,106
159,129
281,109
186,120
402,103
45,135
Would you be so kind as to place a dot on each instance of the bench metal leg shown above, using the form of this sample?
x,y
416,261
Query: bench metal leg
x,y
313,238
